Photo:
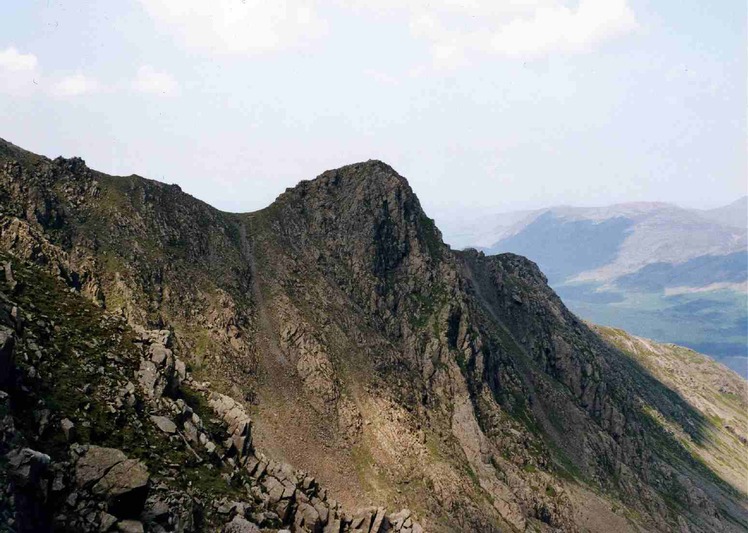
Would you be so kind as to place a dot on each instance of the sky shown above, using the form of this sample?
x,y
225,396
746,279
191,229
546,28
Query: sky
x,y
482,105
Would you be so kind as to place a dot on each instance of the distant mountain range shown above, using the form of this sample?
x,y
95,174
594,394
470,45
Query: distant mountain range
x,y
656,269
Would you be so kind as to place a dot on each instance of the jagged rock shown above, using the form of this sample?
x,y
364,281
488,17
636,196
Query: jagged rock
x,y
323,511
155,336
307,518
181,370
42,418
283,509
238,421
275,489
363,519
158,370
156,510
379,522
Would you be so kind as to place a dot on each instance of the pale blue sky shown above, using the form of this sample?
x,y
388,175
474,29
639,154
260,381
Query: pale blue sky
x,y
528,104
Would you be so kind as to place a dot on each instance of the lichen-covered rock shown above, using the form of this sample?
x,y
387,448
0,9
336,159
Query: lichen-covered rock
x,y
94,462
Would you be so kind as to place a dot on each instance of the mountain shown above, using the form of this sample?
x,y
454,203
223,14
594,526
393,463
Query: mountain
x,y
318,365
656,269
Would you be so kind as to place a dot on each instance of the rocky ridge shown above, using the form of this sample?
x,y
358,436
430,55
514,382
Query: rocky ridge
x,y
392,368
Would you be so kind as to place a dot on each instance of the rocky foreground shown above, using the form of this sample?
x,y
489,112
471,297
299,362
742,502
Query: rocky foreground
x,y
325,364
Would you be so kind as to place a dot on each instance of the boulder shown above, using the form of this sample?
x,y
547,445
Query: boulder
x,y
124,487
27,467
164,424
121,482
94,462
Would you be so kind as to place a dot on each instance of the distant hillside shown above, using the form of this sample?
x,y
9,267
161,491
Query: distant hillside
x,y
656,269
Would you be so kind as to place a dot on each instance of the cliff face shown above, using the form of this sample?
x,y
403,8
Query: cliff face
x,y
396,371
